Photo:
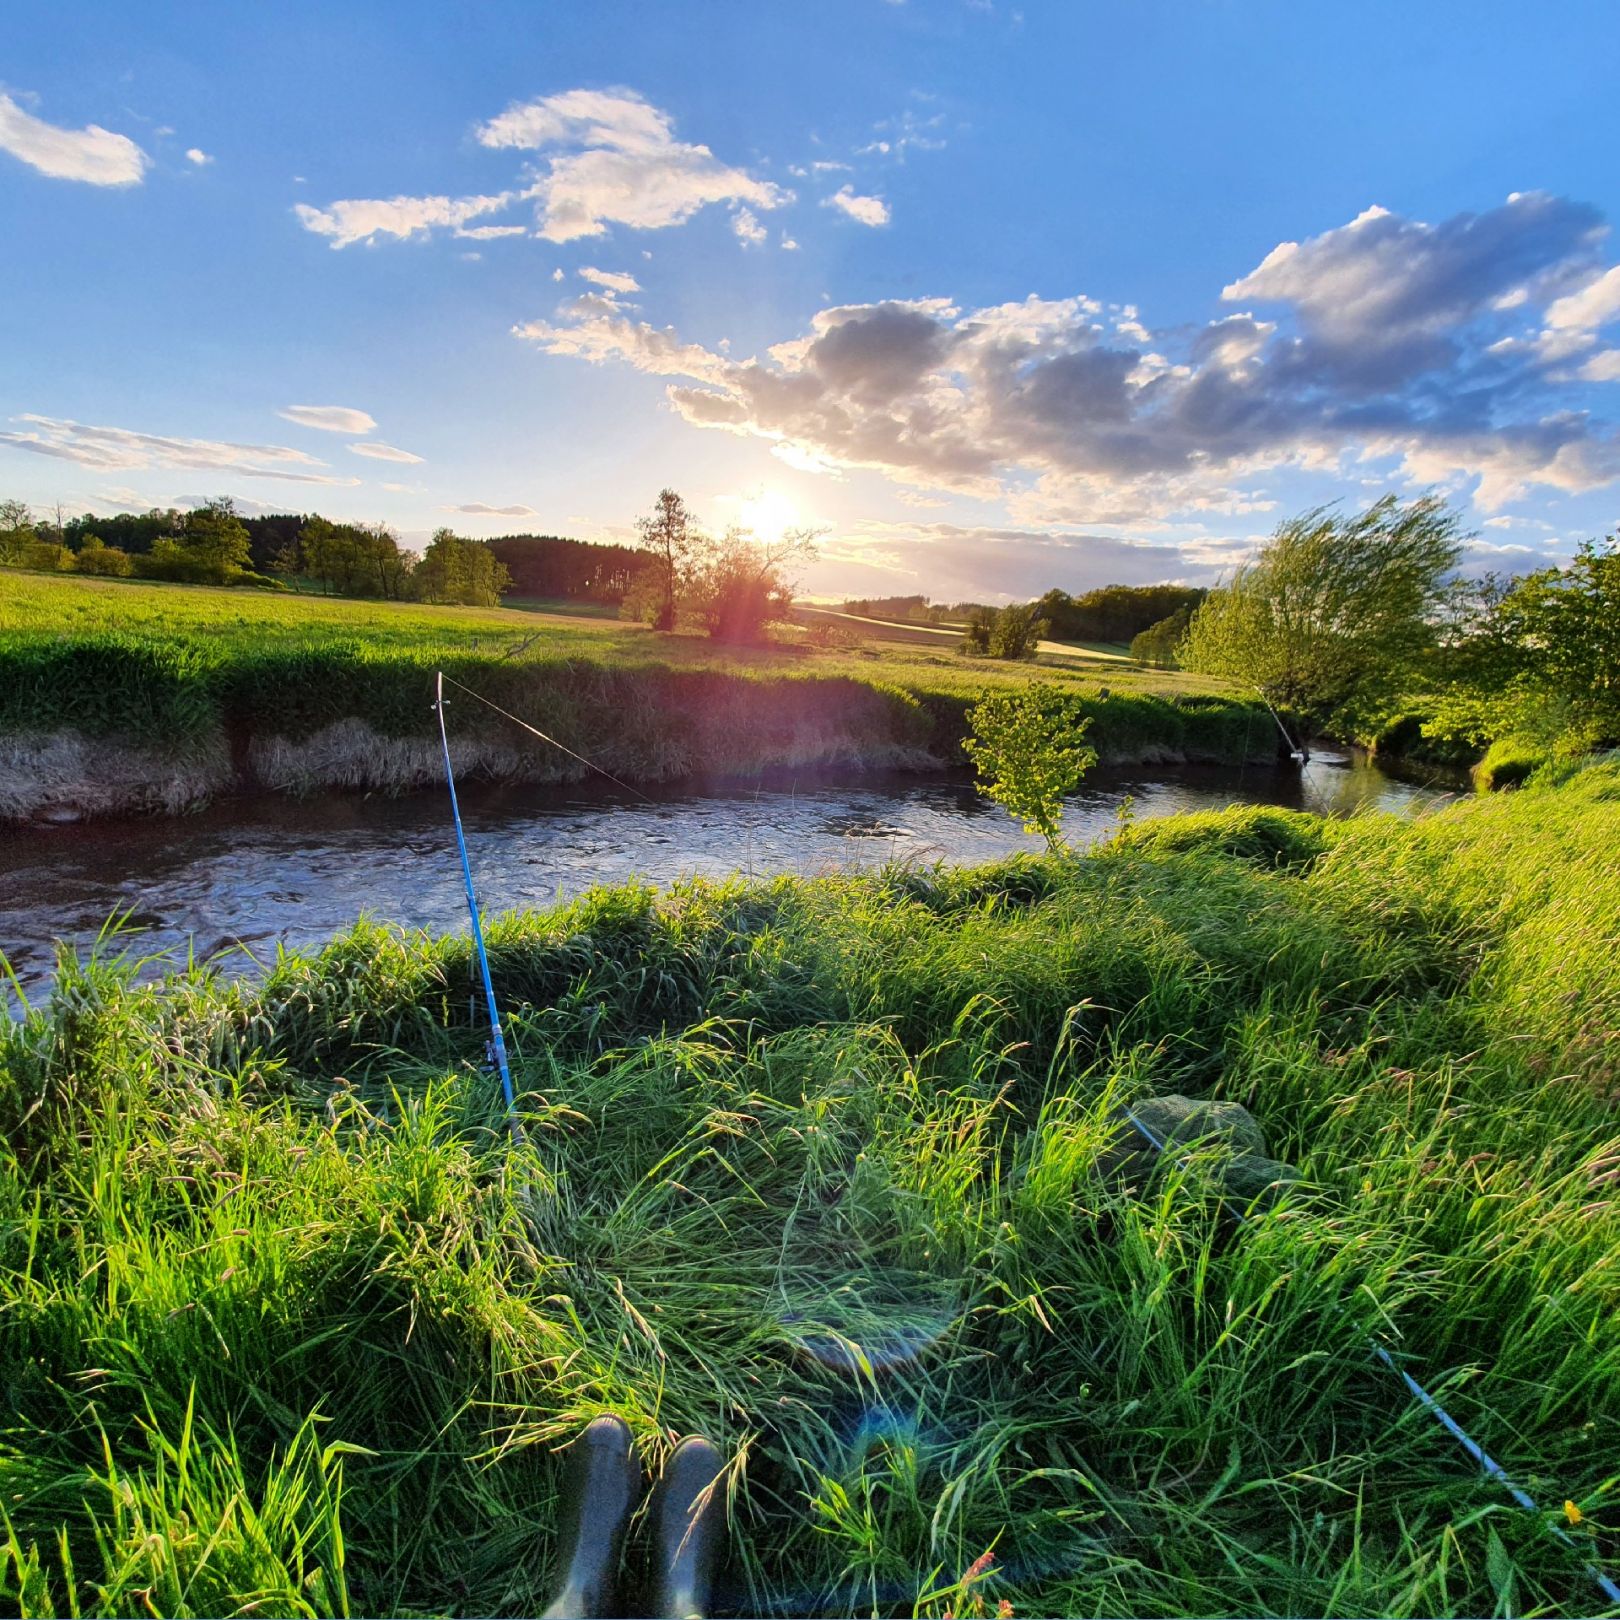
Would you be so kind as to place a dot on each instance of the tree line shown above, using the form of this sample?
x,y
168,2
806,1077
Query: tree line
x,y
215,544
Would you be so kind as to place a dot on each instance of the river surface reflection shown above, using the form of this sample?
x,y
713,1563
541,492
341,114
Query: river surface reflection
x,y
257,873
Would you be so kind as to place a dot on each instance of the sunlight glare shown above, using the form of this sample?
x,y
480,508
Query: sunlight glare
x,y
769,513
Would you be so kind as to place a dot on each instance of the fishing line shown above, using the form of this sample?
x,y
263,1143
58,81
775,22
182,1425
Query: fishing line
x,y
1488,1463
534,731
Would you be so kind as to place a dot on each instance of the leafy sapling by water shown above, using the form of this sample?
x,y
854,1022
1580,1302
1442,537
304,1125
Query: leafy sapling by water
x,y
1027,747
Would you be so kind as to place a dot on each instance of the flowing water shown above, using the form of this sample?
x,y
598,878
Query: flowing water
x,y
249,874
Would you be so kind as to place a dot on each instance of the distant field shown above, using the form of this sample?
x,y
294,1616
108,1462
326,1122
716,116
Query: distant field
x,y
221,623
910,633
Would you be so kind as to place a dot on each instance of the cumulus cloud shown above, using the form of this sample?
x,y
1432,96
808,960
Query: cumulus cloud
x,y
1383,344
381,452
864,210
329,418
605,157
195,154
479,509
93,155
111,448
1603,367
614,280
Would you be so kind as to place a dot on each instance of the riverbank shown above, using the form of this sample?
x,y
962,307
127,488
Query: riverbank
x,y
120,699
822,1168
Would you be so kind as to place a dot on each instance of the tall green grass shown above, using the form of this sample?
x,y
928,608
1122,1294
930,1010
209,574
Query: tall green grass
x,y
288,1325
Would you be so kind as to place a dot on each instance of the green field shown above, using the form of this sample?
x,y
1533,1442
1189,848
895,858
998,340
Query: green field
x,y
231,690
220,623
823,1168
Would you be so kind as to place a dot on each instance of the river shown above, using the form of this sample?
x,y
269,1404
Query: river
x,y
246,875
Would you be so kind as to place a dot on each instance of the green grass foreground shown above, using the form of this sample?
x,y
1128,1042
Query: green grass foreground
x,y
820,1168
189,669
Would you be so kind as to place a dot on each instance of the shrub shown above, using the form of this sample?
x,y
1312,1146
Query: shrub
x,y
1027,750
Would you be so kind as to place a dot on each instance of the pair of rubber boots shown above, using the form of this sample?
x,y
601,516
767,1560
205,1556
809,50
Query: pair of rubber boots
x,y
686,1520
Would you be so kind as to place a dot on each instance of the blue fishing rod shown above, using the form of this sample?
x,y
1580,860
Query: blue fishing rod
x,y
497,1041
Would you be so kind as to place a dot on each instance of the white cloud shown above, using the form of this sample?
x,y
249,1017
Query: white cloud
x,y
864,210
1603,367
610,158
747,228
491,233
120,448
1594,305
479,509
788,244
365,219
614,160
614,280
92,154
557,274
195,154
381,452
329,418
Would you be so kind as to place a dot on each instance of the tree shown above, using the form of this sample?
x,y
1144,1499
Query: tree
x,y
975,642
1336,615
215,543
17,532
1537,657
97,557
453,569
1027,748
1017,632
1114,612
1158,643
738,585
671,536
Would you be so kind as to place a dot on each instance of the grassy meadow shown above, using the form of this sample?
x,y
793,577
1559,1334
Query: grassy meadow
x,y
241,680
822,1168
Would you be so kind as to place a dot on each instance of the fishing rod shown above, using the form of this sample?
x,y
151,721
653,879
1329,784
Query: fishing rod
x,y
497,1041
1295,752
1488,1464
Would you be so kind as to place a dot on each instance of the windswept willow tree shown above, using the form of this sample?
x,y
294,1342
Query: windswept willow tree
x,y
1334,617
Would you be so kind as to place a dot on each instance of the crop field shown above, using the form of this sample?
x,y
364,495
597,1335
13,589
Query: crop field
x,y
831,1171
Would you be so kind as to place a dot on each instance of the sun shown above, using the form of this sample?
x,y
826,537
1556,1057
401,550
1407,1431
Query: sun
x,y
769,513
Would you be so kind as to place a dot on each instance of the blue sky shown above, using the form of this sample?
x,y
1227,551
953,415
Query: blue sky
x,y
1002,295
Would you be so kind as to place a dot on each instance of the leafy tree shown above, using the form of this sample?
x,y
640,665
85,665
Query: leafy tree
x,y
17,532
1115,612
96,557
1027,748
215,544
1337,614
1158,643
671,537
975,640
454,569
1016,632
738,585
1537,657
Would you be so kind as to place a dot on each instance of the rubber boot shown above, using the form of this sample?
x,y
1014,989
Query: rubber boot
x,y
688,1524
604,1480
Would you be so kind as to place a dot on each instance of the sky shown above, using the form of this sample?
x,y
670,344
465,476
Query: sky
x,y
998,297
